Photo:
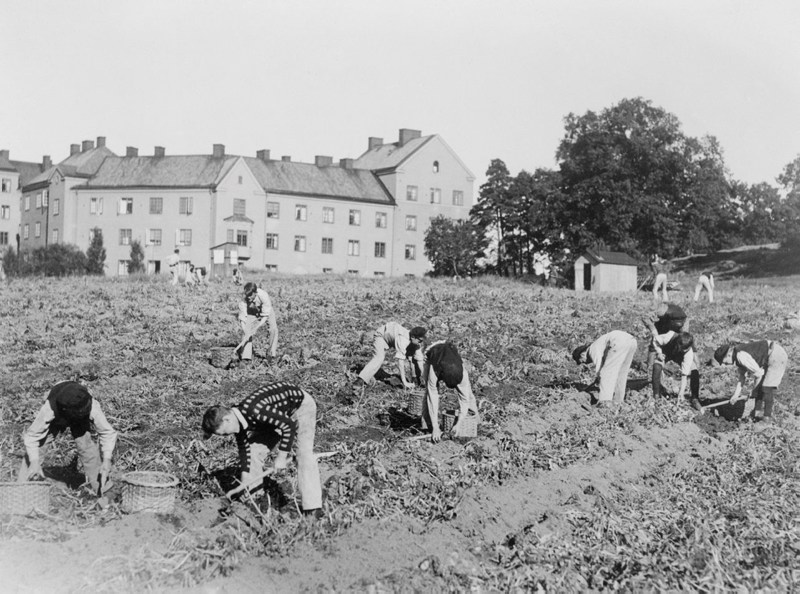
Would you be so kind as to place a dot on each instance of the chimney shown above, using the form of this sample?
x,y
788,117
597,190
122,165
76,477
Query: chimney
x,y
219,151
74,149
87,145
4,154
323,161
373,142
263,155
158,151
101,141
407,134
346,163
46,162
286,158
131,151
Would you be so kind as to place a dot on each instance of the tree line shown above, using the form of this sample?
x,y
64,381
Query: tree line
x,y
627,179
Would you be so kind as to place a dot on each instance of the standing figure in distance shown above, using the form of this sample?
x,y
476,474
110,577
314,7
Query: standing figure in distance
x,y
442,362
276,413
765,361
172,261
659,268
407,345
254,311
237,275
706,281
611,355
69,405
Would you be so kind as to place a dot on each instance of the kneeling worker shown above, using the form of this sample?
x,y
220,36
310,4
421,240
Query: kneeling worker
x,y
611,355
277,410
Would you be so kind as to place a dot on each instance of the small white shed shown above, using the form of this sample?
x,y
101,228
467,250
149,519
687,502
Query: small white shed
x,y
606,272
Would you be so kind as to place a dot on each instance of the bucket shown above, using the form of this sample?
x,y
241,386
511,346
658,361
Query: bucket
x,y
221,356
415,402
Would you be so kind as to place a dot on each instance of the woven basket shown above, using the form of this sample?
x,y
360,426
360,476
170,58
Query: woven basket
x,y
147,490
23,498
415,402
221,356
469,427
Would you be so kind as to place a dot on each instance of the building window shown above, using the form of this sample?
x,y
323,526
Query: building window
x,y
411,222
458,198
327,270
39,200
300,212
184,237
6,185
411,193
156,205
54,236
327,214
5,212
380,220
45,197
272,241
26,231
239,206
411,252
380,249
240,179
96,206
436,196
327,245
122,267
273,210
271,267
353,247
379,273
241,238
125,236
3,237
436,166
27,202
37,229
153,237
299,243
229,236
125,206
355,217
352,271
186,205
56,206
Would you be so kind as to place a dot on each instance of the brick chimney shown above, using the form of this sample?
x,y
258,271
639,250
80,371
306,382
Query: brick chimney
x,y
286,158
323,161
373,142
346,163
263,155
407,134
87,145
74,149
158,151
4,154
46,162
131,151
219,151
101,141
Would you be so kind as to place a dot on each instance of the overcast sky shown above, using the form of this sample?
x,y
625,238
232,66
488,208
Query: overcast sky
x,y
303,78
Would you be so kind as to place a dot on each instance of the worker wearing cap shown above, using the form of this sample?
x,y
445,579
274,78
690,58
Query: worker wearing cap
x,y
407,345
443,363
677,347
611,355
659,268
172,261
276,413
255,310
69,405
765,361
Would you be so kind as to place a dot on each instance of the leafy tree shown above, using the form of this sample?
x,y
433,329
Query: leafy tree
x,y
453,246
96,254
136,263
494,207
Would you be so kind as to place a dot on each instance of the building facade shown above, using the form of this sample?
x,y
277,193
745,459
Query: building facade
x,y
607,272
14,175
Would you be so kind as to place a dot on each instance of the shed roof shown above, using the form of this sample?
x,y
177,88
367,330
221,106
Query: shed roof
x,y
596,257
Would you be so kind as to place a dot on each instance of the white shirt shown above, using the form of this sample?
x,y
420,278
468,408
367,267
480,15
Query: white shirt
x,y
688,356
396,336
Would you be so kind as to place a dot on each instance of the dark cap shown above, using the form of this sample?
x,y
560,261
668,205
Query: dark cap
x,y
720,353
578,353
418,332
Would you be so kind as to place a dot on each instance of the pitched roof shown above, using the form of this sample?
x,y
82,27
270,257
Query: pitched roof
x,y
26,170
605,257
83,164
390,156
306,179
174,171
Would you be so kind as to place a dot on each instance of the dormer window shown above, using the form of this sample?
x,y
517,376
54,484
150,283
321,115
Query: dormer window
x,y
436,166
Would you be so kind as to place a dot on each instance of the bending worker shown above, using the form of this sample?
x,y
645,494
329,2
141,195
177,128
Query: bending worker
x,y
255,311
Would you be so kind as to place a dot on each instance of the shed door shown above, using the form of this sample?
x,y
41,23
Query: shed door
x,y
587,277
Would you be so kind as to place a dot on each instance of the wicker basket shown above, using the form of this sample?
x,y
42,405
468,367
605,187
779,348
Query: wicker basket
x,y
221,356
146,490
23,498
415,403
469,427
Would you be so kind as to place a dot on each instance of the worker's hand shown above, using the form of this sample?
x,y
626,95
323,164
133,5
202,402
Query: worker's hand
x,y
734,399
281,461
35,471
246,478
105,470
456,430
408,385
436,436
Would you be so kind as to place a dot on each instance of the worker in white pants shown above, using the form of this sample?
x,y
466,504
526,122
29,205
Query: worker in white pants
x,y
706,281
611,355
255,311
659,268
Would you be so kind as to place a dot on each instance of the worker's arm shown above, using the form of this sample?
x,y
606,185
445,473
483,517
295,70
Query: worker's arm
x,y
34,436
432,394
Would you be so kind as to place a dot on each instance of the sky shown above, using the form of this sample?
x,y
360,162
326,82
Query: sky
x,y
318,77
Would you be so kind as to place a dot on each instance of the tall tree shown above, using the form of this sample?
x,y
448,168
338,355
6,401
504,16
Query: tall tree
x,y
136,263
493,208
454,246
96,254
